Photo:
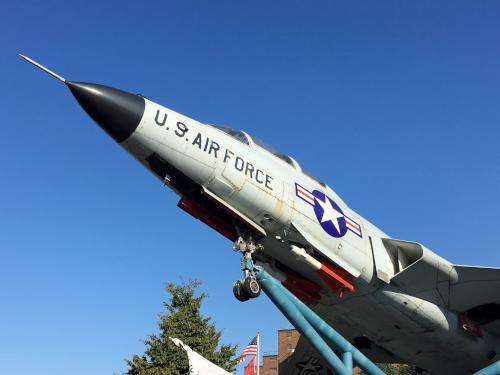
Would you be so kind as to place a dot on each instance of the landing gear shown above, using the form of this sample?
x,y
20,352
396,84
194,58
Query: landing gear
x,y
248,287
239,291
252,286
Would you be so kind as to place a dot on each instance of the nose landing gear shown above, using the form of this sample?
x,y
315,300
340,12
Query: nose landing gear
x,y
252,286
248,287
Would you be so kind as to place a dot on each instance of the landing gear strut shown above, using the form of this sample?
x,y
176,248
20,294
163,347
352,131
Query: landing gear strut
x,y
248,287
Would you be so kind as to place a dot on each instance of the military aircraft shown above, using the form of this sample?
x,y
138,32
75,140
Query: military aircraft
x,y
396,300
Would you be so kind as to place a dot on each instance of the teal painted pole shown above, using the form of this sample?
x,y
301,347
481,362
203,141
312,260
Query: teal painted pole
x,y
347,359
296,307
493,369
333,337
287,307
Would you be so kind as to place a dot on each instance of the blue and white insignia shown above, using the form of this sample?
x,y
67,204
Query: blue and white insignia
x,y
328,213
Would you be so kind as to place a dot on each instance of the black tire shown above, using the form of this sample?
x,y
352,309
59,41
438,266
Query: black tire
x,y
239,291
252,287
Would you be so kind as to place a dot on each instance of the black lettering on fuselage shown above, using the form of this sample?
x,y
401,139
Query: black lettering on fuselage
x,y
158,116
269,179
239,163
214,146
257,176
249,170
226,155
181,130
197,140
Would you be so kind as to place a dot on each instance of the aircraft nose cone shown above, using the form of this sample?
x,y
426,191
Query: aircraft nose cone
x,y
117,112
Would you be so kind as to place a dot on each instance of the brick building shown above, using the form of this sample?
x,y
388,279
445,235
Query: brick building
x,y
287,342
269,364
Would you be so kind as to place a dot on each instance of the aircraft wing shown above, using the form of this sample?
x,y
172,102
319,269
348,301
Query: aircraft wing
x,y
476,292
474,286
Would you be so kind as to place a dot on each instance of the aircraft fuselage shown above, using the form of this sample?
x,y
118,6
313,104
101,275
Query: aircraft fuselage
x,y
396,300
283,202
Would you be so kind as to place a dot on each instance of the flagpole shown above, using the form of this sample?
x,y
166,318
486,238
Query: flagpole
x,y
258,353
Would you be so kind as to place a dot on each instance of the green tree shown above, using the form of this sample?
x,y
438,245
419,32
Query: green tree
x,y
182,319
395,369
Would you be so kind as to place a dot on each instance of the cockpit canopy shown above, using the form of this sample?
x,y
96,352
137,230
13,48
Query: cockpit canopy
x,y
250,141
237,134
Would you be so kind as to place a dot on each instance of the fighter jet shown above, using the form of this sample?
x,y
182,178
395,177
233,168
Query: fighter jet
x,y
395,300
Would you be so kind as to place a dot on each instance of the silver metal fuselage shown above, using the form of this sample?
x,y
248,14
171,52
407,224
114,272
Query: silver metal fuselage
x,y
395,300
410,321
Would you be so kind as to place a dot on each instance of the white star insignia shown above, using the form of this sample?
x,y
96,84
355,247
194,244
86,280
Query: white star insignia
x,y
330,213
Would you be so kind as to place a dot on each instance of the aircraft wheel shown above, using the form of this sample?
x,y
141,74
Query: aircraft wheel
x,y
239,291
252,287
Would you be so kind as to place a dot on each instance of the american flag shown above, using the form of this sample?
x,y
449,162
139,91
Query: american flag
x,y
251,349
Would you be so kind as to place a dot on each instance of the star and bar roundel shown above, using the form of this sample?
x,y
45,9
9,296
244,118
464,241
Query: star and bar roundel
x,y
330,216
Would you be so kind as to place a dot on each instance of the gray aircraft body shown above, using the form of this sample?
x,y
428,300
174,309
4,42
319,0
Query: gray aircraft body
x,y
395,300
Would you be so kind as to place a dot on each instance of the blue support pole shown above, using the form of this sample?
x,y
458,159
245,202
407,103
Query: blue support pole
x,y
493,369
315,329
288,309
334,338
347,359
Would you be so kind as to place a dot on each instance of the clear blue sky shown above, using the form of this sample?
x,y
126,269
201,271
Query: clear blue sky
x,y
394,103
